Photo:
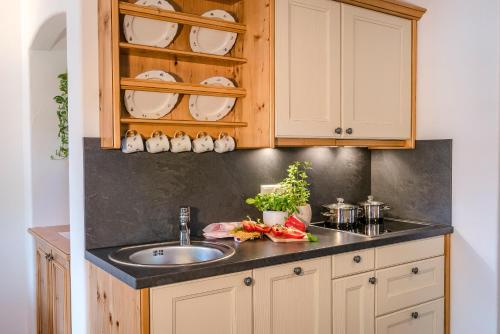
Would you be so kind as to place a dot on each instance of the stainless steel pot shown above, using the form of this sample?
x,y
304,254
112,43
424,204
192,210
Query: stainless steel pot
x,y
373,211
341,213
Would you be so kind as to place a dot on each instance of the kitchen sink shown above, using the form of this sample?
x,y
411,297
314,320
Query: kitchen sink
x,y
172,254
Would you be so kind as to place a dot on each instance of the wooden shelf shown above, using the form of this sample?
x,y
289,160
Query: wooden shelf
x,y
179,17
150,51
180,87
128,120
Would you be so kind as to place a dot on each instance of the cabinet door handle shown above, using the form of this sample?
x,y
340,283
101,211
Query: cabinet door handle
x,y
372,280
297,270
357,259
338,131
349,131
248,281
414,270
49,257
414,315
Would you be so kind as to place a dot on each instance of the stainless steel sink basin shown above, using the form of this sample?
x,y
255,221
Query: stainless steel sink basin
x,y
171,254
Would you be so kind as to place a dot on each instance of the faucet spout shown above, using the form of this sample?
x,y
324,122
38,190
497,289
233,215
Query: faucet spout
x,y
184,231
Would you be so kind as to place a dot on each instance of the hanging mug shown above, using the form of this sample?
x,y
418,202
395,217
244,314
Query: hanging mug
x,y
224,143
158,142
180,143
132,142
203,143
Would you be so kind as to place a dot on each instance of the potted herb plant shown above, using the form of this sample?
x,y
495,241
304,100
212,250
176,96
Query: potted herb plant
x,y
296,185
290,198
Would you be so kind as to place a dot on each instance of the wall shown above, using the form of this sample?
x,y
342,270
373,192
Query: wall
x,y
83,72
14,303
458,98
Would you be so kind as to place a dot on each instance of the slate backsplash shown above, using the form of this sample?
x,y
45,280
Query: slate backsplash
x,y
416,183
135,198
131,199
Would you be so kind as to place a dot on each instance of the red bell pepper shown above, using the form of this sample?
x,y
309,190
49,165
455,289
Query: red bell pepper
x,y
296,223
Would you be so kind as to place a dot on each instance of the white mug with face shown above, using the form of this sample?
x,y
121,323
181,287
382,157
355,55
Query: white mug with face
x,y
180,143
203,143
158,142
225,143
132,142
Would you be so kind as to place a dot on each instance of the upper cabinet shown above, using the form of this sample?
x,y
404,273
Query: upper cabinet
x,y
345,74
307,68
305,72
376,75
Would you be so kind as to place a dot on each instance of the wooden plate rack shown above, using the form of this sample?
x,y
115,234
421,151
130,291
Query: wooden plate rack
x,y
249,65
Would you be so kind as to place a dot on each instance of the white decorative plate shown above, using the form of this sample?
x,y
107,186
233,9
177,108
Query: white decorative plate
x,y
139,30
212,41
211,108
150,105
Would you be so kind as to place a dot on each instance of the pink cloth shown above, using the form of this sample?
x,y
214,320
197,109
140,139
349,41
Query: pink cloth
x,y
220,230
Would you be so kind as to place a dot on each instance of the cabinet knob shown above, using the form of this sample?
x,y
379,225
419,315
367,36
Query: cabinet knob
x,y
414,270
338,131
297,270
357,259
414,315
349,131
248,281
372,280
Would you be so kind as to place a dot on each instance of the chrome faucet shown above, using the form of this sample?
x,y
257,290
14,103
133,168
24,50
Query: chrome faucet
x,y
184,218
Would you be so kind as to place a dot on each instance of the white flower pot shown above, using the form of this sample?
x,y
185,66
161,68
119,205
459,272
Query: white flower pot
x,y
274,217
304,214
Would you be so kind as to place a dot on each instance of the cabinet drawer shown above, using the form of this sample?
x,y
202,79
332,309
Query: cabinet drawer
x,y
392,255
409,284
353,262
426,318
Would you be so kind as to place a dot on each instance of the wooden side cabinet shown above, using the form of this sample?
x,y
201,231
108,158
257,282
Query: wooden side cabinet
x,y
52,262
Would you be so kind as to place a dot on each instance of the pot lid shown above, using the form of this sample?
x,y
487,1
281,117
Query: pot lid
x,y
340,205
371,201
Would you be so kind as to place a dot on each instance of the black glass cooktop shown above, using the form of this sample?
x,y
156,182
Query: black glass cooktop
x,y
373,230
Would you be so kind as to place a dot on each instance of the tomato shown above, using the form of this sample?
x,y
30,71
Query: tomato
x,y
248,226
278,230
296,223
293,233
262,228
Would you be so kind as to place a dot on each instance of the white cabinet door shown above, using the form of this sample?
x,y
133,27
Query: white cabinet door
x,y
427,318
293,298
376,75
307,68
353,307
218,305
409,284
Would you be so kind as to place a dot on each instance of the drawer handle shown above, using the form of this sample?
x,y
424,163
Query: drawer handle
x,y
248,281
372,280
414,270
297,270
414,315
357,259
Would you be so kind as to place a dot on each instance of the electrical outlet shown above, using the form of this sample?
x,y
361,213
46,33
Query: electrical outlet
x,y
269,188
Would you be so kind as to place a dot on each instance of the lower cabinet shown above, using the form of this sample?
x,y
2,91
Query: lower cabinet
x,y
293,298
426,318
353,304
52,290
219,305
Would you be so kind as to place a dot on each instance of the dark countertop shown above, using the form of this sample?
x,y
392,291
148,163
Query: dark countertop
x,y
256,254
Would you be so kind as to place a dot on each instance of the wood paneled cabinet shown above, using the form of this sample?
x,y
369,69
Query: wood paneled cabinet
x,y
52,289
344,75
361,292
293,298
219,305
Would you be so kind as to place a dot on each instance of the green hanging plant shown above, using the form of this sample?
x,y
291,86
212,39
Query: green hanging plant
x,y
62,114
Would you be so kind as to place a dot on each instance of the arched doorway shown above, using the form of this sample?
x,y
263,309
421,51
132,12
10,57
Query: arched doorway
x,y
49,174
